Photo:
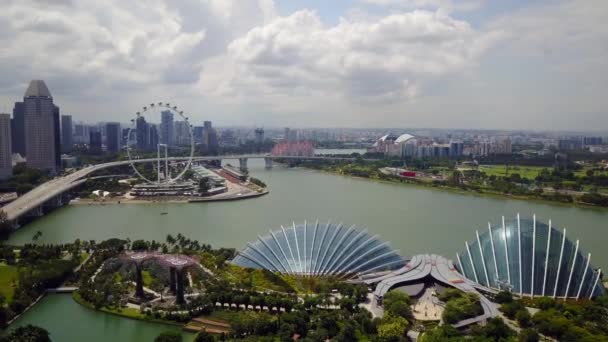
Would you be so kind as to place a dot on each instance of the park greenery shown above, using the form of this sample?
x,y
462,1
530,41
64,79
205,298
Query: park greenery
x,y
26,272
585,184
23,180
259,305
459,305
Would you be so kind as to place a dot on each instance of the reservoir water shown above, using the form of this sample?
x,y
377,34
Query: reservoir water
x,y
68,321
414,219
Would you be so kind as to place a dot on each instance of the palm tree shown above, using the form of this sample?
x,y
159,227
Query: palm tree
x,y
170,239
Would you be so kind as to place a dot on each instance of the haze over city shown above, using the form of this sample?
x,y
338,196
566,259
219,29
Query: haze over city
x,y
358,63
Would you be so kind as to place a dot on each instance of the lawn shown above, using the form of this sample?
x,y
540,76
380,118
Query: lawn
x,y
583,172
147,278
529,172
8,275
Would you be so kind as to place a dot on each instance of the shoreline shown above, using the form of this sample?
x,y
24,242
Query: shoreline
x,y
467,192
76,298
155,200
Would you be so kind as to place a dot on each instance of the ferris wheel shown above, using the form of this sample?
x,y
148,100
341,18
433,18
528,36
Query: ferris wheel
x,y
136,146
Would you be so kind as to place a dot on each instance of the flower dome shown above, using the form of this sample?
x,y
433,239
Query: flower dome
x,y
530,258
320,250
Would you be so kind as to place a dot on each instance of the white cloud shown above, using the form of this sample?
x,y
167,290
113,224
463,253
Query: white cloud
x,y
95,46
387,58
444,5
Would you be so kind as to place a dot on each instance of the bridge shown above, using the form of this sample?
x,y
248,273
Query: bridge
x,y
53,193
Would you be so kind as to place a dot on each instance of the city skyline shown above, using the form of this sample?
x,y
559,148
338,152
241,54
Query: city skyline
x,y
370,63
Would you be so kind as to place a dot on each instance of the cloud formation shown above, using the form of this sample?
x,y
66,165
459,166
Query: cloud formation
x,y
382,62
386,58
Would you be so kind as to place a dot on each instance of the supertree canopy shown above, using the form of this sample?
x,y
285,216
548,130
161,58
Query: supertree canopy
x,y
530,258
320,250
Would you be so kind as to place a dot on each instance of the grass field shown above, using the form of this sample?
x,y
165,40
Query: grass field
x,y
583,172
8,274
529,172
147,278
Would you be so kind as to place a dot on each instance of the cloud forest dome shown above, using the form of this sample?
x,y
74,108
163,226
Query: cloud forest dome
x,y
320,249
530,258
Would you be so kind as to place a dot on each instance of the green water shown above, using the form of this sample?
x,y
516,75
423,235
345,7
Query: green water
x,y
414,219
68,321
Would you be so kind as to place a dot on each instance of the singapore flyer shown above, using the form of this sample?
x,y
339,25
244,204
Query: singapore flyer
x,y
163,133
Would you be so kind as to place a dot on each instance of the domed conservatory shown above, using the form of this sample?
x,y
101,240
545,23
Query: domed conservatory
x,y
320,250
530,258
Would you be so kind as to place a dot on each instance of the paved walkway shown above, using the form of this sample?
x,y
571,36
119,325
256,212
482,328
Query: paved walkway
x,y
427,307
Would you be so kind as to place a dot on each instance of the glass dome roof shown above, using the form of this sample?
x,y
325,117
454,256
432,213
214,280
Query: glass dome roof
x,y
319,250
531,258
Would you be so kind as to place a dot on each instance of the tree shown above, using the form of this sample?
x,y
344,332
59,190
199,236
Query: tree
x,y
204,336
157,285
392,328
139,245
5,226
168,336
529,335
28,333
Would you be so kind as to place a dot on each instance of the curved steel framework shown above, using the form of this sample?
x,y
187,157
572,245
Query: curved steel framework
x,y
530,258
175,111
320,250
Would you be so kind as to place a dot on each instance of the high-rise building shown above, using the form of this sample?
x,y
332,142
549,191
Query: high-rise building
x,y
197,131
209,135
259,135
95,141
41,128
153,137
67,135
57,134
142,132
456,149
587,141
166,128
182,133
6,150
113,137
18,128
503,146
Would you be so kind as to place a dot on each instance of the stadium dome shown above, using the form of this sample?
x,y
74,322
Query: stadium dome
x,y
530,258
320,250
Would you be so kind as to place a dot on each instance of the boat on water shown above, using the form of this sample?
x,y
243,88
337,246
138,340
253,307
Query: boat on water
x,y
164,213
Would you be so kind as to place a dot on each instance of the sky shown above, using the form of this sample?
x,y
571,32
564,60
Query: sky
x,y
475,64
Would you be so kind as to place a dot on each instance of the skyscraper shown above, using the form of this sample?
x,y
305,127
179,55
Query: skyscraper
x,y
41,126
6,163
209,137
142,132
113,137
67,140
197,131
166,128
153,137
18,128
95,141
182,133
57,135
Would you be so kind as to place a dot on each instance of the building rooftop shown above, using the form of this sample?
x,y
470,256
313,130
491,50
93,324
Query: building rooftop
x,y
320,250
530,258
37,88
